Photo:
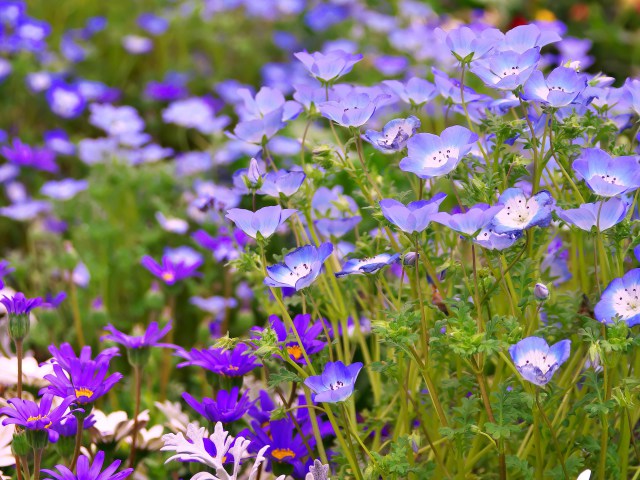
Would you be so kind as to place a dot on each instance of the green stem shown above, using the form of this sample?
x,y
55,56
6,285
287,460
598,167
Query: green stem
x,y
553,436
134,431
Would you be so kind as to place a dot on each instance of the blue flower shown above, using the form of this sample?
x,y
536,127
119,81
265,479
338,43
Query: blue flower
x,y
605,175
561,87
300,268
470,222
520,213
536,361
352,111
361,266
449,88
415,216
524,37
328,67
466,45
394,135
285,182
416,91
63,189
507,70
490,239
433,156
621,299
225,408
263,222
337,227
336,383
65,100
602,215
153,24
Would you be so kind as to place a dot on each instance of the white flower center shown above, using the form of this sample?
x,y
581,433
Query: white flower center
x,y
538,359
626,303
518,212
440,157
301,270
336,386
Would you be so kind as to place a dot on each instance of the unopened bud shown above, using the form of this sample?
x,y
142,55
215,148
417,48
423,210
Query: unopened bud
x,y
541,292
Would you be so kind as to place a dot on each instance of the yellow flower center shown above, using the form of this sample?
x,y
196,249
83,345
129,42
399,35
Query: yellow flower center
x,y
545,15
281,453
39,417
84,392
295,351
233,368
168,277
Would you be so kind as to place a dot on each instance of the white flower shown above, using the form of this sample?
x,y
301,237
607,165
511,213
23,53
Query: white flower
x,y
114,427
177,420
192,448
6,457
32,372
150,440
586,475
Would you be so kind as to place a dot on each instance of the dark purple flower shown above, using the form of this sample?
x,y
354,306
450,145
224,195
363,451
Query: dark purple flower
x,y
307,331
53,301
170,271
151,337
225,408
33,416
226,246
229,363
18,304
165,91
285,445
68,426
24,155
87,471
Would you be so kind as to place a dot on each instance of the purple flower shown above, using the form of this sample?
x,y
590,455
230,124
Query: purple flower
x,y
300,268
415,216
307,331
602,215
336,383
195,113
490,239
65,100
65,356
267,101
18,304
394,135
470,222
328,67
536,361
23,155
416,91
337,227
153,24
561,87
226,246
151,337
282,182
263,222
361,266
520,213
430,155
524,37
507,70
54,301
449,88
466,45
58,141
68,426
33,416
87,471
621,299
165,91
137,44
170,271
228,363
116,121
63,189
605,175
225,408
352,111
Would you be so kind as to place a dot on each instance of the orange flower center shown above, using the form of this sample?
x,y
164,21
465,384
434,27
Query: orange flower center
x,y
168,277
295,351
281,453
84,392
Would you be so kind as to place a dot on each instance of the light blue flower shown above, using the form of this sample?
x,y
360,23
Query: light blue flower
x,y
360,266
300,267
602,215
605,175
336,383
394,135
536,361
621,299
264,221
415,216
559,89
470,222
520,213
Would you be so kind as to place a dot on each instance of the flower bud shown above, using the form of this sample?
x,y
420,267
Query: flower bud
x,y
19,325
138,357
38,439
541,292
20,446
410,258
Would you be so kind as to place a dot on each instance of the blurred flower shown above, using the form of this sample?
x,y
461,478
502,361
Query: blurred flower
x,y
65,100
63,189
153,24
170,271
149,439
136,44
177,420
536,361
113,427
23,155
6,455
58,141
308,332
194,113
151,338
171,224
416,91
328,67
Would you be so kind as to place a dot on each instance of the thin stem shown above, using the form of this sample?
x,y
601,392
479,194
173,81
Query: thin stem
x,y
75,309
76,450
553,435
37,456
19,353
136,413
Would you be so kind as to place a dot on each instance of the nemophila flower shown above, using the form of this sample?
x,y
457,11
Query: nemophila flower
x,y
561,87
449,88
58,141
337,227
116,121
152,24
465,44
26,210
606,175
415,216
172,224
416,91
300,267
328,67
524,37
225,408
35,416
536,361
336,383
282,182
195,113
170,271
507,70
137,44
151,338
250,178
63,189
236,362
360,266
31,34
81,378
266,102
431,155
263,222
85,470
521,212
65,100
490,239
24,155
621,299
601,215
352,111
469,222
308,332
394,135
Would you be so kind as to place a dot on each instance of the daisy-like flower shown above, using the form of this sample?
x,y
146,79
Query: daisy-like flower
x,y
431,155
621,299
336,383
33,416
360,266
536,361
284,445
151,337
263,222
6,437
307,331
300,268
520,213
225,408
89,471
606,175
229,363
113,427
170,271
